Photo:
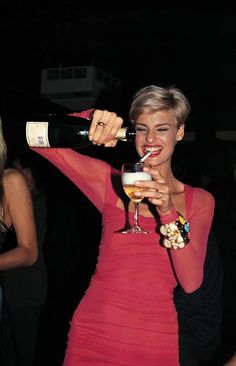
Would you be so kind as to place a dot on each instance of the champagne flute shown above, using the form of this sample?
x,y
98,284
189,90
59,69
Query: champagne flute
x,y
130,173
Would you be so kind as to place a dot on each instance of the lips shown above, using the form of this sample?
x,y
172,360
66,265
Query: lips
x,y
155,150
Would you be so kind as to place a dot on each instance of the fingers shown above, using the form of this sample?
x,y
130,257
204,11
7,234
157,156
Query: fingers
x,y
158,182
98,116
162,200
104,127
156,194
111,143
157,191
156,175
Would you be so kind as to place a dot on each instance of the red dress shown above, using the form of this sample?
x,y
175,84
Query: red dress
x,y
127,316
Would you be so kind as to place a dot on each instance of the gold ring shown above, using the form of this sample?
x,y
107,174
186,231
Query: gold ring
x,y
102,124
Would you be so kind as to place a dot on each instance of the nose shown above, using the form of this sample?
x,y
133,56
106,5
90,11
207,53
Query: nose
x,y
150,136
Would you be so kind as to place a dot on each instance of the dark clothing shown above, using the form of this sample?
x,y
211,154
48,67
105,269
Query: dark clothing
x,y
24,291
4,233
200,313
25,286
4,238
20,326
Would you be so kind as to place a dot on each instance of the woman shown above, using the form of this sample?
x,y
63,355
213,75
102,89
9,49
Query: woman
x,y
16,213
127,316
24,288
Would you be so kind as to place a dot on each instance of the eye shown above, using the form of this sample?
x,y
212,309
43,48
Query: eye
x,y
140,129
162,129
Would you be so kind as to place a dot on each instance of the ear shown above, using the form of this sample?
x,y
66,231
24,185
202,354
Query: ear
x,y
180,133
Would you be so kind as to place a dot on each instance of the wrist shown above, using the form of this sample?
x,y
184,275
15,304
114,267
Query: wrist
x,y
169,216
175,234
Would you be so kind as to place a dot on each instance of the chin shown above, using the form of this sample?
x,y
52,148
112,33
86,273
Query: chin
x,y
154,162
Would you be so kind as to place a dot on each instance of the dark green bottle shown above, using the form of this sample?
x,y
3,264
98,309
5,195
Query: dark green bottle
x,y
52,130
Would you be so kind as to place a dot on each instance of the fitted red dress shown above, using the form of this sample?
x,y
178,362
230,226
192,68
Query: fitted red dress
x,y
127,316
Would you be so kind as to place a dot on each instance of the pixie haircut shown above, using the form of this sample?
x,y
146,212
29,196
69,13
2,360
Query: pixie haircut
x,y
152,98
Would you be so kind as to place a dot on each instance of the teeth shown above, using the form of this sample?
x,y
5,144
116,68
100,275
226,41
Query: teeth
x,y
152,149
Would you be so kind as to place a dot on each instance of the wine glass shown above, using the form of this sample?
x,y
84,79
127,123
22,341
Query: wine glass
x,y
129,174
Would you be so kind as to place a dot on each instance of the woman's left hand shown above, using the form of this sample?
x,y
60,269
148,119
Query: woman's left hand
x,y
157,192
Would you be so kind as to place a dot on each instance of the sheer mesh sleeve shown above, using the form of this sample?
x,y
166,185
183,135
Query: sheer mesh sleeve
x,y
188,262
90,175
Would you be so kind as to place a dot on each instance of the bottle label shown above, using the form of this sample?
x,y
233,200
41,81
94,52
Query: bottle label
x,y
37,134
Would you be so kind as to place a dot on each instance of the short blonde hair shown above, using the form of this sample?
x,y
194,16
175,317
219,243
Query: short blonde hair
x,y
152,98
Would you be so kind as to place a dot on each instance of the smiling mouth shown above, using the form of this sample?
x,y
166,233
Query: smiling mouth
x,y
153,150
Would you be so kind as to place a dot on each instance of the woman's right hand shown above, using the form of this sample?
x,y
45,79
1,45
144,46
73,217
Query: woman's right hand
x,y
104,127
157,191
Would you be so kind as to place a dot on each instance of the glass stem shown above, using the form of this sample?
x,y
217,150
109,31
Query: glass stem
x,y
136,214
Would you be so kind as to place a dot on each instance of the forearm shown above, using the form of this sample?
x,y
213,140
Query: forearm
x,y
188,259
188,263
18,257
188,268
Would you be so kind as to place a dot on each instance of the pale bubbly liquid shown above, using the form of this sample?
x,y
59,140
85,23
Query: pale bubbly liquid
x,y
129,178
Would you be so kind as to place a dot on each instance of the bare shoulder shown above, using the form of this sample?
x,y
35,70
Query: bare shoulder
x,y
12,173
13,178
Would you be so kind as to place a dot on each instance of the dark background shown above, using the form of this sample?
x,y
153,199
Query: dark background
x,y
191,47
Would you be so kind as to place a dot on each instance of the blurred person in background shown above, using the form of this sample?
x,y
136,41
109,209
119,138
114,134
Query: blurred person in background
x,y
16,214
25,288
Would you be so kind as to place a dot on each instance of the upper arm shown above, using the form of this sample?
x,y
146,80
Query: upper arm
x,y
19,209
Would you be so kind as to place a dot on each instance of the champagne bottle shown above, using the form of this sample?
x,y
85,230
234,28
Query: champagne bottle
x,y
65,131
